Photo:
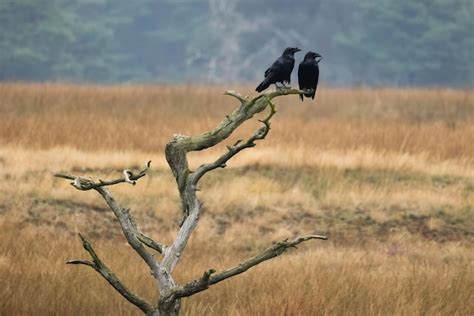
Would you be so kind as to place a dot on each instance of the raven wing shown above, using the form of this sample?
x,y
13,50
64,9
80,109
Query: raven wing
x,y
275,68
272,75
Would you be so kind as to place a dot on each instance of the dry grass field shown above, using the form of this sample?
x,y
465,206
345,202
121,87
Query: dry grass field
x,y
387,174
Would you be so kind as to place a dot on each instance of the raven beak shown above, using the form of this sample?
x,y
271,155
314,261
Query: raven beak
x,y
297,49
318,59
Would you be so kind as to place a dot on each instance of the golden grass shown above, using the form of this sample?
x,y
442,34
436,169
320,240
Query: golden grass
x,y
403,278
388,174
437,123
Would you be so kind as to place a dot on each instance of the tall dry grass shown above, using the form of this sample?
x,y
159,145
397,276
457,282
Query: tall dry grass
x,y
388,174
438,123
407,278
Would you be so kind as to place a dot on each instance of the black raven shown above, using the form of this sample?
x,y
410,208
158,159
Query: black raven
x,y
281,69
308,74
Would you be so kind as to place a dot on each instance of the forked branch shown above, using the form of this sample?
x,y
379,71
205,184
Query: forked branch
x,y
238,146
134,236
177,149
87,183
180,145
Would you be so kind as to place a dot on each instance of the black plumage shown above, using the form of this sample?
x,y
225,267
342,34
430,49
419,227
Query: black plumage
x,y
280,70
308,74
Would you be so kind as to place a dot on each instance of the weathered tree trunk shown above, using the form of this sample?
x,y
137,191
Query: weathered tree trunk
x,y
171,293
168,307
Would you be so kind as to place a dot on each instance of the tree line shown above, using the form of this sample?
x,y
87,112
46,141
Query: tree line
x,y
363,42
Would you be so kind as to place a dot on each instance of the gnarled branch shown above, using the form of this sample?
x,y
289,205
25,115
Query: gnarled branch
x,y
176,156
259,134
147,241
176,149
83,183
209,278
134,236
87,183
237,95
108,275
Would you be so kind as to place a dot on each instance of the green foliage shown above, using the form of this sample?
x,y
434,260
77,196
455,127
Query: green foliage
x,y
412,42
28,31
426,42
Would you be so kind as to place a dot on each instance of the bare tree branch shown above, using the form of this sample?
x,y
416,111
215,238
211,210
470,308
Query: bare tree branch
x,y
259,134
130,231
134,236
229,124
150,242
209,278
176,156
79,261
176,149
236,95
82,183
86,183
108,275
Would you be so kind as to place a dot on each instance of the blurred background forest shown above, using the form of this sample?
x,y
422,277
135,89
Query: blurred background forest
x,y
364,42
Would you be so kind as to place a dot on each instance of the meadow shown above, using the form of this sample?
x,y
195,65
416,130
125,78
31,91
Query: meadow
x,y
387,174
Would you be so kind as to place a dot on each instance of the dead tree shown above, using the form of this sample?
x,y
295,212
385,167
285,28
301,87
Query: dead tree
x,y
171,293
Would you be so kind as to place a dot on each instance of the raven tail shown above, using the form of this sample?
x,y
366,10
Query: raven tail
x,y
262,86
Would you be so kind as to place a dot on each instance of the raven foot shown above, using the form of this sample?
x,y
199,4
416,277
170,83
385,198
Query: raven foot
x,y
282,87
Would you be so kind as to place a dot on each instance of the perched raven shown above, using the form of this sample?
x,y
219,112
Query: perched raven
x,y
280,71
308,74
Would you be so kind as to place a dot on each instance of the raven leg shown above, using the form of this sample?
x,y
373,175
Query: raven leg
x,y
282,87
278,87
